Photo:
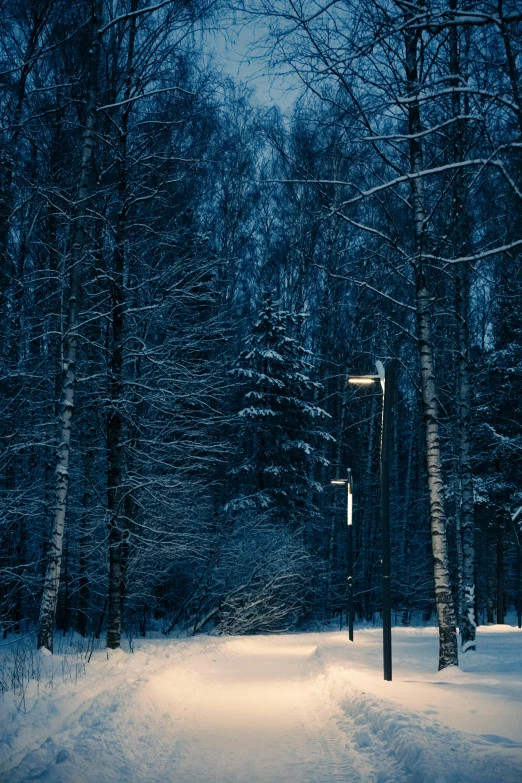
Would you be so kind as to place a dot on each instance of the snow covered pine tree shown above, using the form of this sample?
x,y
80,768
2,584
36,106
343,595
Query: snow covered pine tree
x,y
278,422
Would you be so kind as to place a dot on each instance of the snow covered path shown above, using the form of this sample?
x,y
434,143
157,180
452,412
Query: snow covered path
x,y
282,709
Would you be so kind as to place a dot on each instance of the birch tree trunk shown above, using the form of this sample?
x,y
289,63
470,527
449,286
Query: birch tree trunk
x,y
448,651
54,554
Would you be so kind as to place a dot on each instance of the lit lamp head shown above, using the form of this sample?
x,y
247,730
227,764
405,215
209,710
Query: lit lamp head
x,y
348,483
367,380
363,380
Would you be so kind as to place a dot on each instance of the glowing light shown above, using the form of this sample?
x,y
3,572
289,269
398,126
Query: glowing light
x,y
338,481
361,380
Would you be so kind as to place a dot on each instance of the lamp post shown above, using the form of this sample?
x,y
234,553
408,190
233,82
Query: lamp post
x,y
349,515
386,377
514,519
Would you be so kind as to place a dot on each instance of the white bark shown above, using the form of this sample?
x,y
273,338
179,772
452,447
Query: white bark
x,y
448,651
54,557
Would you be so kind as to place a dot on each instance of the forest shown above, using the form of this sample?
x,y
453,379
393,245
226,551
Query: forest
x,y
190,275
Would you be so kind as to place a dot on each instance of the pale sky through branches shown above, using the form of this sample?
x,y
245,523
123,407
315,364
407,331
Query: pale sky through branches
x,y
241,48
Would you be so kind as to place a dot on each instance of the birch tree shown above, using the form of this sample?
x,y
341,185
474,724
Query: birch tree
x,y
52,576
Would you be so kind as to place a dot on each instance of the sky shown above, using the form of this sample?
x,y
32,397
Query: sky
x,y
239,47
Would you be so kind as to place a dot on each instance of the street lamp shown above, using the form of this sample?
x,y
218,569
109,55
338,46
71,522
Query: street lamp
x,y
349,514
386,377
518,543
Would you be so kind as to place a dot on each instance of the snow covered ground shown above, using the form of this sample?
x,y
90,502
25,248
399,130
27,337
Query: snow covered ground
x,y
281,709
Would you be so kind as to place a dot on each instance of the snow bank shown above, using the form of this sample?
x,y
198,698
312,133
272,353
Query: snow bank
x,y
400,713
64,698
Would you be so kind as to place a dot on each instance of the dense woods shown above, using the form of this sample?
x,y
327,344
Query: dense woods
x,y
187,279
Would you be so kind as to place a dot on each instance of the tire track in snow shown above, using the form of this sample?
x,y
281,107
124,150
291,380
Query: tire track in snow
x,y
353,753
424,750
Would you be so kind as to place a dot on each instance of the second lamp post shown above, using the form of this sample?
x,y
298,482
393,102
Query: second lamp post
x,y
386,376
349,517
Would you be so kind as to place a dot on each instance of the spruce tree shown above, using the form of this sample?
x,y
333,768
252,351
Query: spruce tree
x,y
278,420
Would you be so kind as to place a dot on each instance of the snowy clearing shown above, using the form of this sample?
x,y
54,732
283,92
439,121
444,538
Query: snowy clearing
x,y
274,709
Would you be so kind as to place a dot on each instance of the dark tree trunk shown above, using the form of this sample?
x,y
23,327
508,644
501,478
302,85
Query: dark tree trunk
x,y
82,612
501,609
114,419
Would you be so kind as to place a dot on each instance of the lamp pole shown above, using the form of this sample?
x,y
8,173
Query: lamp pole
x,y
349,517
349,484
514,519
387,404
386,377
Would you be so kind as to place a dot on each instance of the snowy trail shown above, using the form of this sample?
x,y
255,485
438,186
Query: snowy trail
x,y
255,711
245,711
284,709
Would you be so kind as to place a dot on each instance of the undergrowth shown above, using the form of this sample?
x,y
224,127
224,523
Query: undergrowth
x,y
23,668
